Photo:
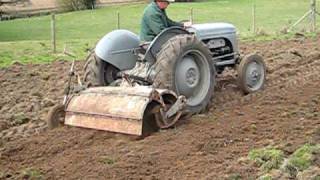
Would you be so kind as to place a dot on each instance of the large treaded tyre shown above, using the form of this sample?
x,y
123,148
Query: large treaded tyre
x,y
98,72
183,65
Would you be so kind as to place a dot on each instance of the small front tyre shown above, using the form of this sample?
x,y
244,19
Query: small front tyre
x,y
251,73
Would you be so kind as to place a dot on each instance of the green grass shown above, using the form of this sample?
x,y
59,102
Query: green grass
x,y
301,159
41,51
265,177
267,158
31,173
107,160
28,40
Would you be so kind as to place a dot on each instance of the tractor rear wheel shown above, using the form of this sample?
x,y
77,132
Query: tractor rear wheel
x,y
98,72
183,65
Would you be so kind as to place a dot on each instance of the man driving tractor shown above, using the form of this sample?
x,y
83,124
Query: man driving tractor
x,y
155,20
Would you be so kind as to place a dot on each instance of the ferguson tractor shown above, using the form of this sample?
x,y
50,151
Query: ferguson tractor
x,y
134,87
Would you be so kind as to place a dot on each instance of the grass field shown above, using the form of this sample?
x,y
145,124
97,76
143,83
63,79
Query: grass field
x,y
28,40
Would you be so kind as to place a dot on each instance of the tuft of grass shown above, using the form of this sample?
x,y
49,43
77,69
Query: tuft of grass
x,y
2,175
31,173
20,118
302,158
235,177
265,177
267,158
107,160
300,163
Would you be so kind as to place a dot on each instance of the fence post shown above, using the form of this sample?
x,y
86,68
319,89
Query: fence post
x,y
191,15
314,15
53,32
118,19
254,17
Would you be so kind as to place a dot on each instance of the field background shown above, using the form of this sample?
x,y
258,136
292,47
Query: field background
x,y
28,40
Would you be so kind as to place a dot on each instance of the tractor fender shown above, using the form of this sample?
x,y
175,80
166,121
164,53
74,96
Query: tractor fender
x,y
117,49
160,39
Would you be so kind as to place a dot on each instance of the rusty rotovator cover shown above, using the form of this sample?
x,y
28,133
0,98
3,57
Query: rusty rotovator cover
x,y
118,109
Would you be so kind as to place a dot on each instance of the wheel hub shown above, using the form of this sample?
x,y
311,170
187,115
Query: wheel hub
x,y
110,74
188,74
254,73
192,77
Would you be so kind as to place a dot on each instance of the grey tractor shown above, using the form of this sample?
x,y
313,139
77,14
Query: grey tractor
x,y
185,61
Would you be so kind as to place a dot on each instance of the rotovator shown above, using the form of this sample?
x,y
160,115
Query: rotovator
x,y
133,87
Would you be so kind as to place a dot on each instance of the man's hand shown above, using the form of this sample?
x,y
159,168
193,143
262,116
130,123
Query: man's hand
x,y
187,24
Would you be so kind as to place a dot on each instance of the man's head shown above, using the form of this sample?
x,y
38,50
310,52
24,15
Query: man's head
x,y
163,4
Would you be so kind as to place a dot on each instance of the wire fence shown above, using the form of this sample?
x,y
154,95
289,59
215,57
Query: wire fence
x,y
251,17
258,17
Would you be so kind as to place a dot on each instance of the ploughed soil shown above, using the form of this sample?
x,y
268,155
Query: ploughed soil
x,y
285,115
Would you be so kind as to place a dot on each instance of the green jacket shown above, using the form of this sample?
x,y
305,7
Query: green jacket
x,y
154,20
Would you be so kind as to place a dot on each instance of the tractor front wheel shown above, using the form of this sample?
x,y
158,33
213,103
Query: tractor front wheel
x,y
251,73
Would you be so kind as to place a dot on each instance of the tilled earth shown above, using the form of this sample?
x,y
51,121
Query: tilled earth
x,y
286,115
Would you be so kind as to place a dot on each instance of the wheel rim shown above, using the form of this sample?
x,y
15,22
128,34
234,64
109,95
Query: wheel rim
x,y
110,74
254,75
166,123
192,77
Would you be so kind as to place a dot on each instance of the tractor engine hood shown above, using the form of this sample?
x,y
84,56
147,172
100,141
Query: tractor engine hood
x,y
212,30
